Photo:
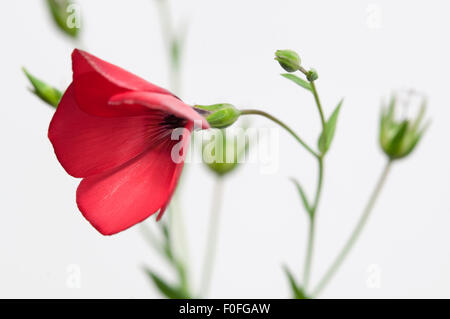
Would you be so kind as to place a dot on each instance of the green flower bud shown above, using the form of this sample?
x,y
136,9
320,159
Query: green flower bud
x,y
45,92
219,115
398,138
288,59
222,152
312,75
66,16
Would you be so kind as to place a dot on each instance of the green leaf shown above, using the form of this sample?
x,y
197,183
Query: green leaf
x,y
166,289
297,291
66,16
45,92
302,195
299,81
327,135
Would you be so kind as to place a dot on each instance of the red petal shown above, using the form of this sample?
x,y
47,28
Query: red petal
x,y
162,102
96,81
117,200
178,170
86,145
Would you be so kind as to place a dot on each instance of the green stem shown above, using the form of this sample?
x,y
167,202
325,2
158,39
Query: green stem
x,y
169,38
319,106
356,232
283,125
211,242
151,238
310,243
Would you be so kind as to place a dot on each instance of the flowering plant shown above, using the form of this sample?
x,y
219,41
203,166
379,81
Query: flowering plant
x,y
128,138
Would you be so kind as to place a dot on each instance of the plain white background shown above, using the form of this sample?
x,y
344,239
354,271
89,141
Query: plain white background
x,y
362,50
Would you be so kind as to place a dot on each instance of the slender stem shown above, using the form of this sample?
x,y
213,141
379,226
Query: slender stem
x,y
151,238
310,244
165,19
309,253
211,242
356,232
319,106
312,223
283,125
169,38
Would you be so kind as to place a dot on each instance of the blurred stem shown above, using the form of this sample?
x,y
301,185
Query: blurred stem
x,y
310,244
176,226
165,19
357,231
283,125
211,243
170,41
150,238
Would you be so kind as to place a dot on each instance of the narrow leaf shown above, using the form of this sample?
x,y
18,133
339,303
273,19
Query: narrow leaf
x,y
327,135
299,81
297,291
45,92
166,289
302,195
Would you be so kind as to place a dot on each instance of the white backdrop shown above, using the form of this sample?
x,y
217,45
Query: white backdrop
x,y
362,51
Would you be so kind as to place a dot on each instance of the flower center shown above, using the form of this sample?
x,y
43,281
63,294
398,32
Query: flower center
x,y
171,122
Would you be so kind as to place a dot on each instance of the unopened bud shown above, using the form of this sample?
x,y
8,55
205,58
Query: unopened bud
x,y
66,16
224,150
312,75
398,138
288,59
219,115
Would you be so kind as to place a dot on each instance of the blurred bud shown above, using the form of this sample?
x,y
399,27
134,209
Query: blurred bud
x,y
45,92
398,138
312,75
219,115
288,59
66,15
222,152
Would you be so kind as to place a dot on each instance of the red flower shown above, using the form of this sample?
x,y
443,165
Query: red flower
x,y
114,130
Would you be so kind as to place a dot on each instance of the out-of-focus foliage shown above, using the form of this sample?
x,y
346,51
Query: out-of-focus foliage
x,y
45,92
66,16
297,291
222,153
398,138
